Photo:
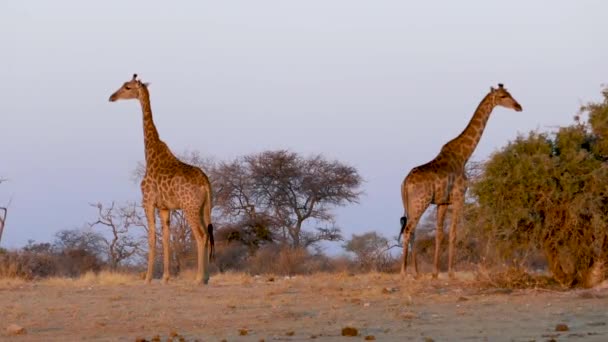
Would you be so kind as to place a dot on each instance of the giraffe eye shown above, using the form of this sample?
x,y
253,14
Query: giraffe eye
x,y
127,87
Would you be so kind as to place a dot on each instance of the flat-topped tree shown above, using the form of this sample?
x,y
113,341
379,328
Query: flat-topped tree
x,y
170,184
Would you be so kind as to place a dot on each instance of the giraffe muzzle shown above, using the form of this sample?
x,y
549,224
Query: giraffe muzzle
x,y
518,107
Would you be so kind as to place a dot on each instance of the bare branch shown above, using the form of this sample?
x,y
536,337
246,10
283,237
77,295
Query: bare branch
x,y
120,246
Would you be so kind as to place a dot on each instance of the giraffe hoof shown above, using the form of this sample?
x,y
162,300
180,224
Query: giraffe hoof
x,y
435,275
165,280
201,281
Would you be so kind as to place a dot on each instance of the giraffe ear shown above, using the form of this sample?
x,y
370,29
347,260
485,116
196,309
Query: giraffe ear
x,y
147,84
492,89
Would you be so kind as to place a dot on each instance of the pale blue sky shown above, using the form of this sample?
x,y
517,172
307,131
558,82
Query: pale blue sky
x,y
377,84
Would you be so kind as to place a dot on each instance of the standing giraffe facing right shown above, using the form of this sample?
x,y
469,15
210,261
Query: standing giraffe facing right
x,y
170,184
442,181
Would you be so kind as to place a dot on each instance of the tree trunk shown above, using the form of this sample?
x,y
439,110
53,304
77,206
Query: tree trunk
x,y
3,212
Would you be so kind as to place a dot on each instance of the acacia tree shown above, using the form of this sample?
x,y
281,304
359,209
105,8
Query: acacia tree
x,y
372,250
243,219
277,192
121,245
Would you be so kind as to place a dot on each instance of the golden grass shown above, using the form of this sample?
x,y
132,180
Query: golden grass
x,y
512,278
11,282
105,278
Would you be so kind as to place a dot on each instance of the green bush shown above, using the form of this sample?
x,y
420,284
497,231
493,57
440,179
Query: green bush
x,y
549,192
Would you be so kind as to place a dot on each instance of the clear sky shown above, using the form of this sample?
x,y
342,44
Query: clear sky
x,y
380,84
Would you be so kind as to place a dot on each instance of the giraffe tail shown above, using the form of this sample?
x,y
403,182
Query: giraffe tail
x,y
211,242
205,213
403,223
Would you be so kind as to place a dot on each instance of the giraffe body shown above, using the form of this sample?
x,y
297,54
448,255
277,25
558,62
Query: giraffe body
x,y
170,184
443,182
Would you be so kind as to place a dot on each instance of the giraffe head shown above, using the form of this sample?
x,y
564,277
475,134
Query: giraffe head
x,y
502,97
129,90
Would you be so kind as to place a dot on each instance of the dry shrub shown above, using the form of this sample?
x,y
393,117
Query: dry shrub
x,y
75,262
231,256
26,265
31,265
342,264
513,278
286,261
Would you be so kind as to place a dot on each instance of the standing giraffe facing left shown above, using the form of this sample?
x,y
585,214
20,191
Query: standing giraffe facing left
x,y
170,184
442,181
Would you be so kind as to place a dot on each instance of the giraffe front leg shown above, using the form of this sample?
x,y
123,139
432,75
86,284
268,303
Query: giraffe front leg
x,y
149,210
165,219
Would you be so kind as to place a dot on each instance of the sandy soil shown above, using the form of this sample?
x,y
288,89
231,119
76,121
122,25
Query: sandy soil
x,y
243,308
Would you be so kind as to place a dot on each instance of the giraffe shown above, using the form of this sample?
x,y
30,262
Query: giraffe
x,y
442,181
170,184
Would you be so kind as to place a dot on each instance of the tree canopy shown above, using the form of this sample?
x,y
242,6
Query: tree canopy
x,y
549,192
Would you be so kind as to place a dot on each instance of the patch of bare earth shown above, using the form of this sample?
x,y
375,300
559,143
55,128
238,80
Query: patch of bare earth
x,y
237,307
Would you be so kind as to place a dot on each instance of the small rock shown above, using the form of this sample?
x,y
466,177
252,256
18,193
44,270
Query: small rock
x,y
313,336
14,329
366,305
290,333
370,338
408,315
428,339
156,338
243,332
350,331
173,334
140,339
389,290
271,279
561,327
462,299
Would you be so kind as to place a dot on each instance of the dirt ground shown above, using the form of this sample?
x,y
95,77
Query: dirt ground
x,y
238,307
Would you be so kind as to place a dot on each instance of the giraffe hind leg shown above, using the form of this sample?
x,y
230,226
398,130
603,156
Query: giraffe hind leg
x,y
165,218
441,211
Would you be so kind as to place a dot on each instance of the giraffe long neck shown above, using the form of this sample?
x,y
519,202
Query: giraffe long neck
x,y
464,144
151,138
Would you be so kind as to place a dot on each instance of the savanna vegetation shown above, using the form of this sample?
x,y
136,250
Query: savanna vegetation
x,y
539,204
